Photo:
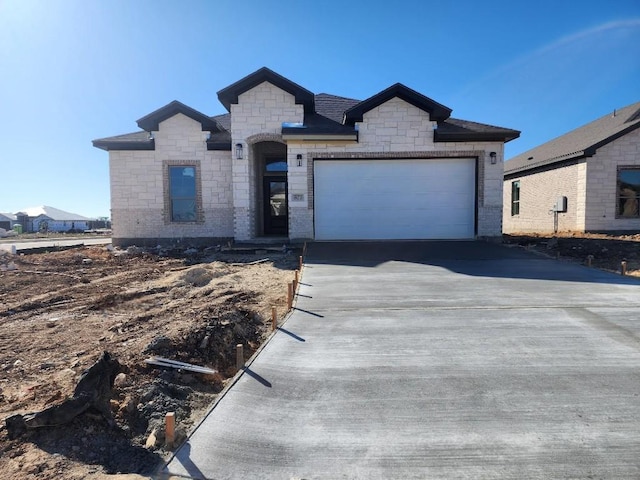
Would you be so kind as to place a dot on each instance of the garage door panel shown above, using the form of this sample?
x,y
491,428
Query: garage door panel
x,y
394,199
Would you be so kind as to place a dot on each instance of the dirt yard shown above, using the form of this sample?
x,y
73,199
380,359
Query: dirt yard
x,y
60,310
606,252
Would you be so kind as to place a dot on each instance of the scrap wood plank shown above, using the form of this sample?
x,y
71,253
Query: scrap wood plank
x,y
166,362
250,263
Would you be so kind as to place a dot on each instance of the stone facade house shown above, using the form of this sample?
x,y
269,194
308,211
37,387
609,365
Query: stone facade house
x,y
286,164
587,180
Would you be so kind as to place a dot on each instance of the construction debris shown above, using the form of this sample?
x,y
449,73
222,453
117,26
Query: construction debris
x,y
93,391
168,363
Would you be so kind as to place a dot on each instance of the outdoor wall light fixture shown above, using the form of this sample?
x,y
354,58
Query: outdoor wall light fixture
x,y
238,151
299,158
150,136
493,157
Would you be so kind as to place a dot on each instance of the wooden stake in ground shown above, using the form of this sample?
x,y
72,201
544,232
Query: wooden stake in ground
x,y
289,296
589,260
623,268
274,318
170,429
239,356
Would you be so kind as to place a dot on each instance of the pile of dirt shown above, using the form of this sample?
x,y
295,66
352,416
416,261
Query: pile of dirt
x,y
60,310
606,252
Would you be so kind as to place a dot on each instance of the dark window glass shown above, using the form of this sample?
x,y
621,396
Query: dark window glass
x,y
628,192
515,198
182,189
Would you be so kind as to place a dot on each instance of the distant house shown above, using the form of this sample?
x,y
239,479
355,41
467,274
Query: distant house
x,y
7,220
49,219
291,164
587,180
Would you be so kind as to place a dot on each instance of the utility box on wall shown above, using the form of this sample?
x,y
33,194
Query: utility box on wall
x,y
561,205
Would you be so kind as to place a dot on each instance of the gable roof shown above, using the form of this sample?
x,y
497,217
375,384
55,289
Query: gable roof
x,y
325,116
229,95
53,214
437,111
582,142
152,121
7,216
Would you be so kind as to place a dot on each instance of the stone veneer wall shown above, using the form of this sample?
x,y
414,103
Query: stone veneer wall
x,y
138,187
395,129
539,193
259,112
590,187
601,184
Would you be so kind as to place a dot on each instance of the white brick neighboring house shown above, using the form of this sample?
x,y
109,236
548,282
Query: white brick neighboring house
x,y
50,219
596,167
287,165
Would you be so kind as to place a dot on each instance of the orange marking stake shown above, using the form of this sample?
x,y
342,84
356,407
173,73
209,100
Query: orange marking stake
x,y
170,428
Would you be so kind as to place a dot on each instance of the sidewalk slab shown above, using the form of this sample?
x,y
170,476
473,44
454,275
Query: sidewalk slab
x,y
446,360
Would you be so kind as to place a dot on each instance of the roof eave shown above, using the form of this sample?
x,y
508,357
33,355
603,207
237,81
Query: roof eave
x,y
437,111
119,145
151,122
549,162
475,136
512,174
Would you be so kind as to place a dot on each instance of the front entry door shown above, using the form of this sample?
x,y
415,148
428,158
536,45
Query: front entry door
x,y
276,211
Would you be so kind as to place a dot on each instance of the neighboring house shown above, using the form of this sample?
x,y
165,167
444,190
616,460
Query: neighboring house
x,y
287,164
7,220
49,219
587,180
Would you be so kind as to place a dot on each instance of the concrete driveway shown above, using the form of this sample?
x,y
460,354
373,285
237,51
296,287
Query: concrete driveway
x,y
436,360
20,244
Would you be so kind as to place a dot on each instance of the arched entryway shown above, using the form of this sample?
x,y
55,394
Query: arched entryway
x,y
271,173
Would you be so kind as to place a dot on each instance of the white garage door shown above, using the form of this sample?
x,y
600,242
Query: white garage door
x,y
394,199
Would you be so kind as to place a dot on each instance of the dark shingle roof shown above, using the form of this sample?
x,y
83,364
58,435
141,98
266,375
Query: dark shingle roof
x,y
330,111
223,121
579,143
128,141
327,119
454,129
333,107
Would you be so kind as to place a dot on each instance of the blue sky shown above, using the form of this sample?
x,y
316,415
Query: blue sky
x,y
75,70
